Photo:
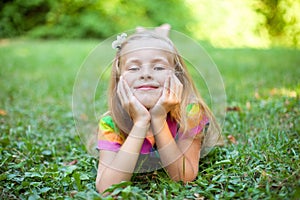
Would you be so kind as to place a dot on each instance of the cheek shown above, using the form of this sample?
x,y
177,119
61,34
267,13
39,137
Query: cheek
x,y
129,78
162,76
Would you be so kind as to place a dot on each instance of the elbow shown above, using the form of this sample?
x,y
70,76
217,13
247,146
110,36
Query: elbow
x,y
100,187
189,178
189,174
185,178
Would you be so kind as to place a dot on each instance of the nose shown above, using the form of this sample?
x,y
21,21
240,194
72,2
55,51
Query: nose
x,y
146,73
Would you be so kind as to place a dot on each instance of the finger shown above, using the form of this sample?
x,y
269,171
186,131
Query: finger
x,y
176,79
173,87
121,92
128,95
166,88
119,89
127,89
177,88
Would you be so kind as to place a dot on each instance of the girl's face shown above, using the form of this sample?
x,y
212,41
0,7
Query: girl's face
x,y
145,65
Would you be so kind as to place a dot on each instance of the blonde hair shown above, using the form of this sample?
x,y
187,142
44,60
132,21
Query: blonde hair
x,y
179,114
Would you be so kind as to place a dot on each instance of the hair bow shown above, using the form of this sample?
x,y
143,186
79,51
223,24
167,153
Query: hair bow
x,y
118,42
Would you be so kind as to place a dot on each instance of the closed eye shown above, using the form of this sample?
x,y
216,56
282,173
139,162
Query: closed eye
x,y
159,67
133,68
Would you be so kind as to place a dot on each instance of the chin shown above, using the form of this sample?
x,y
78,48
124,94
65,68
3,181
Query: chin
x,y
148,103
148,100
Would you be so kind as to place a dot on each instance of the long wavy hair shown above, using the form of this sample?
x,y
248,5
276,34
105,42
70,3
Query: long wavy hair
x,y
190,94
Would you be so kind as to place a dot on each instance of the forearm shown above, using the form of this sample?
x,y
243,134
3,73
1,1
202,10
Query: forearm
x,y
121,166
126,158
174,155
108,176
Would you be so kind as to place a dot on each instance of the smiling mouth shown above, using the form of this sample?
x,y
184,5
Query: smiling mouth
x,y
146,87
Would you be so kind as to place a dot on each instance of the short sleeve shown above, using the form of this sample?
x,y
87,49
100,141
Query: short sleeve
x,y
109,136
196,120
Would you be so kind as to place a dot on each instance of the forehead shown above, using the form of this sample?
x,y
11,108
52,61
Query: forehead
x,y
147,46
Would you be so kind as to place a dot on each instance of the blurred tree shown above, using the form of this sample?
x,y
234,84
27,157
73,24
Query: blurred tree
x,y
282,20
87,19
231,23
257,23
273,15
17,16
226,23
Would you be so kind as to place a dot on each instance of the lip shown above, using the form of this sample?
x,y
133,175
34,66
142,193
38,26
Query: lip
x,y
147,87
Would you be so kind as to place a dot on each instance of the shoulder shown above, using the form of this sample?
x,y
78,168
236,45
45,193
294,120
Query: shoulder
x,y
196,118
194,111
106,123
109,136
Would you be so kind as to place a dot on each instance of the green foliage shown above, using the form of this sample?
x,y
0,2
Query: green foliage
x,y
252,23
42,157
17,17
281,19
88,19
226,23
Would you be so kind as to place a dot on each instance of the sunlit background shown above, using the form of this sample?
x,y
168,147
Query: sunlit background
x,y
234,23
44,43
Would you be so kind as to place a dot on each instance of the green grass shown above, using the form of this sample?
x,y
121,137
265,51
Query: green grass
x,y
41,155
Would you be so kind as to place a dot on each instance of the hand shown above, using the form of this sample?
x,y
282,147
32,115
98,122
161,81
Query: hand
x,y
133,107
171,96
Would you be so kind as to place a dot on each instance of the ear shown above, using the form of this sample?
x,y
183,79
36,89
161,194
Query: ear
x,y
163,30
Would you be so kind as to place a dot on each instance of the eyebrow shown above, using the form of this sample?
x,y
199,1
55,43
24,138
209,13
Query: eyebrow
x,y
156,59
132,60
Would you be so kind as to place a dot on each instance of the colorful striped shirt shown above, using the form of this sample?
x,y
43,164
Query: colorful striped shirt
x,y
111,138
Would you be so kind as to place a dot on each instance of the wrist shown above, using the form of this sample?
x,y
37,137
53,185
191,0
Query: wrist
x,y
158,112
157,125
142,120
142,124
158,117
158,120
139,130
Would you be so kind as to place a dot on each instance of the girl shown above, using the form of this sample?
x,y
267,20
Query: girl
x,y
155,111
